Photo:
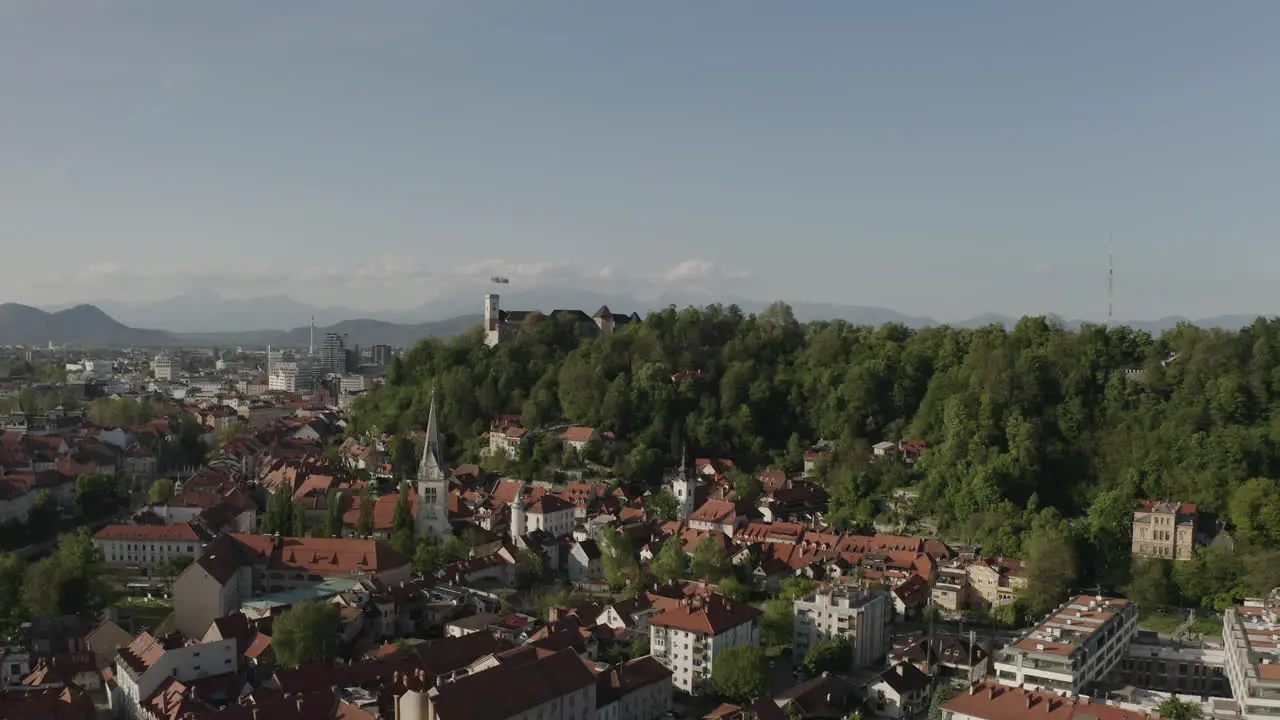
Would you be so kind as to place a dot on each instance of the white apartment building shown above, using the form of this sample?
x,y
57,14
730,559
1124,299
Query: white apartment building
x,y
688,635
1079,643
283,376
147,545
352,384
859,616
147,663
1251,643
164,368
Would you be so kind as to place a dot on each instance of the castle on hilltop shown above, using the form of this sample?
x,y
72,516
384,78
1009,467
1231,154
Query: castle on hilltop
x,y
502,325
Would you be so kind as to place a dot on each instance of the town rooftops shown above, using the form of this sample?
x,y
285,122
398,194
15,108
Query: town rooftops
x,y
990,701
710,615
177,532
508,690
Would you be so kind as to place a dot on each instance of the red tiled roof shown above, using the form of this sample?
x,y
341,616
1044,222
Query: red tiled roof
x,y
990,701
712,615
548,504
321,555
177,532
578,434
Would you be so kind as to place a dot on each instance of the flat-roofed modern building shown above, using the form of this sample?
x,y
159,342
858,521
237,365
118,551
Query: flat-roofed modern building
x,y
1071,649
1251,642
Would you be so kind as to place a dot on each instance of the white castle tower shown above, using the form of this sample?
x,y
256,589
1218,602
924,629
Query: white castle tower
x,y
433,482
683,488
518,517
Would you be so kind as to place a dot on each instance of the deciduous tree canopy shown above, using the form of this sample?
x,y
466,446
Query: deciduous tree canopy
x,y
1081,421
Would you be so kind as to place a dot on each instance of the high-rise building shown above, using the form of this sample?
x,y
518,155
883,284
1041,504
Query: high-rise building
x,y
333,353
164,368
380,355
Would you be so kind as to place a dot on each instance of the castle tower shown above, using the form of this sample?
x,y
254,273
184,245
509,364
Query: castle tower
x,y
683,488
433,482
518,517
492,319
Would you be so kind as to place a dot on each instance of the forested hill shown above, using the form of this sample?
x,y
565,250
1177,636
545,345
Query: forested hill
x,y
1016,420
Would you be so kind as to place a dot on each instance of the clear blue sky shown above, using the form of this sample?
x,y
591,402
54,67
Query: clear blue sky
x,y
943,158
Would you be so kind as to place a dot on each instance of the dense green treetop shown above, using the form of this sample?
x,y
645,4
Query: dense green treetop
x,y
1018,421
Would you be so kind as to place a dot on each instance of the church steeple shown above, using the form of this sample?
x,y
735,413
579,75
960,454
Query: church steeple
x,y
433,481
684,486
432,466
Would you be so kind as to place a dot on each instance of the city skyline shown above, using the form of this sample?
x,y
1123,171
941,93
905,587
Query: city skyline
x,y
952,163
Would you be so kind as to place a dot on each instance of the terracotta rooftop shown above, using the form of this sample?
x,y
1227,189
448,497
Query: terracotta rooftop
x,y
711,615
510,689
991,701
177,532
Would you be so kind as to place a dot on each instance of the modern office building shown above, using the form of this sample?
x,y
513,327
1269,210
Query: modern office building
x,y
165,368
1073,648
333,353
380,355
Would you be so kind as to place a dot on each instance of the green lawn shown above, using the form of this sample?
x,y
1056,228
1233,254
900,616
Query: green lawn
x,y
1208,625
146,613
1161,622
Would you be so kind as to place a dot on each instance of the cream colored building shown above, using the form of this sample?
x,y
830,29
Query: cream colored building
x,y
996,580
1164,530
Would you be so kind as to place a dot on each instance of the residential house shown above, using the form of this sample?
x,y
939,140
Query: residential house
x,y
951,588
996,580
721,515
577,437
902,692
506,439
942,656
826,697
585,563
637,690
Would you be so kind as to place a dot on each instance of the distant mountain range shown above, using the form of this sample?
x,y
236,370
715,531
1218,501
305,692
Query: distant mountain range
x,y
186,319
87,325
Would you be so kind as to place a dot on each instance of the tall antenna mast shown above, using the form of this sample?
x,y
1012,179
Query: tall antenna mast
x,y
1111,272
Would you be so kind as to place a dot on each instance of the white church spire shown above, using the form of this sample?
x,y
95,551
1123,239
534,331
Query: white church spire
x,y
433,481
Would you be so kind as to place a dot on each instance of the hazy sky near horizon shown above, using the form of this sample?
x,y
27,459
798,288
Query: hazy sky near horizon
x,y
941,158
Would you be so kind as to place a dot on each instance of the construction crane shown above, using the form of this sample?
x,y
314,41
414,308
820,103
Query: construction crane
x,y
498,280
